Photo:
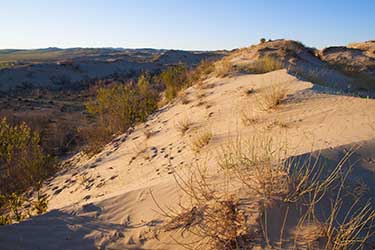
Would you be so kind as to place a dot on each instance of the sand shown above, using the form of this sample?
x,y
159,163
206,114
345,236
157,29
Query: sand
x,y
104,202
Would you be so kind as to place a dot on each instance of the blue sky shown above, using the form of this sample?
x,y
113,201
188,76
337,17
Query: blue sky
x,y
182,24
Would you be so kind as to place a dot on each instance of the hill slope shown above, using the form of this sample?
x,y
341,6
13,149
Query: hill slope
x,y
105,202
60,69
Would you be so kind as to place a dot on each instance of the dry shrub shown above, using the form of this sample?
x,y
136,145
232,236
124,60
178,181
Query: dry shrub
x,y
249,116
216,218
16,208
183,125
201,139
94,138
271,97
201,72
257,164
264,65
223,68
261,198
305,184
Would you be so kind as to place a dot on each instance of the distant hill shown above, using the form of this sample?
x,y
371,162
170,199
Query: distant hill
x,y
56,68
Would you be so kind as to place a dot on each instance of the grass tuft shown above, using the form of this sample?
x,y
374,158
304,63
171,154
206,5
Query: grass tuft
x,y
200,140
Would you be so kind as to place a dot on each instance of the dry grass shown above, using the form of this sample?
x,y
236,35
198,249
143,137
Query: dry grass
x,y
201,139
305,184
213,217
223,68
249,116
264,65
260,198
271,97
183,125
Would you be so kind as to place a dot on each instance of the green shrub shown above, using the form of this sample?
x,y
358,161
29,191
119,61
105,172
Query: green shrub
x,y
174,79
119,107
22,160
13,209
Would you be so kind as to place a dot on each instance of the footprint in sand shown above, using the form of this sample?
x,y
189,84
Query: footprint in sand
x,y
87,197
101,184
113,177
58,191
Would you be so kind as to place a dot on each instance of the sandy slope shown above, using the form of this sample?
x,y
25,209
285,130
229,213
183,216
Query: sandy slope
x,y
105,202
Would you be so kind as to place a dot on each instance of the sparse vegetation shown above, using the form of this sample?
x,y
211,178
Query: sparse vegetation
x,y
361,80
119,107
122,105
263,65
200,139
270,97
268,200
22,160
249,117
175,78
183,125
223,68
201,72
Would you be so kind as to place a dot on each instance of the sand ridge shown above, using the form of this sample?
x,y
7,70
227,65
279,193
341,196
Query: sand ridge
x,y
104,202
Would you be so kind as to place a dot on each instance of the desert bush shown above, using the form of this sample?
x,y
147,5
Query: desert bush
x,y
13,207
213,216
263,65
262,199
270,97
40,205
122,105
200,139
249,115
23,163
304,184
201,72
94,138
223,68
175,78
183,125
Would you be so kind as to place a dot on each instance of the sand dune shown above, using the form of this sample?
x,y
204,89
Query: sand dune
x,y
104,202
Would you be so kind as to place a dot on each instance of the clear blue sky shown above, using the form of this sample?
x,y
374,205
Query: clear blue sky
x,y
182,24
